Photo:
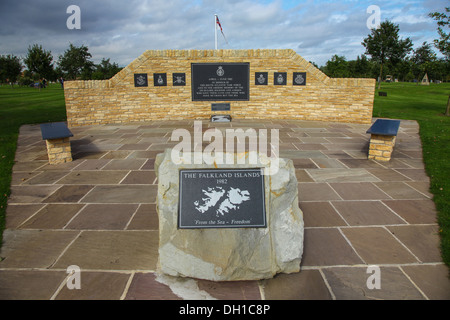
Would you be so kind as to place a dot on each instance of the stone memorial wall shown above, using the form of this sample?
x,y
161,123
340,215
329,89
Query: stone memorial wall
x,y
182,84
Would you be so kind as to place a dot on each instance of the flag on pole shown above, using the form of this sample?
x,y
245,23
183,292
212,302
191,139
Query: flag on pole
x,y
220,26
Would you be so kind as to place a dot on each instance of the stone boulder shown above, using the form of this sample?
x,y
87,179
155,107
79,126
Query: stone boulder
x,y
224,254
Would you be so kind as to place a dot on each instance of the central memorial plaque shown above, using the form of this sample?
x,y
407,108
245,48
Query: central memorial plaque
x,y
221,198
220,81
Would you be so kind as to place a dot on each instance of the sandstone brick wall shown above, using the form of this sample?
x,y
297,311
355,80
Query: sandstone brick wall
x,y
117,100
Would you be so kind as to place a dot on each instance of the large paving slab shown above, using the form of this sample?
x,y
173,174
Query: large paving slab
x,y
33,248
29,284
98,212
112,250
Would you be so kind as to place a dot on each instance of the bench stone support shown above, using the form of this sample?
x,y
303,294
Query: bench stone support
x,y
381,147
59,150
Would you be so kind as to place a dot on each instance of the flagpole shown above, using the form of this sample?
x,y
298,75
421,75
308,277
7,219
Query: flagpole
x,y
215,31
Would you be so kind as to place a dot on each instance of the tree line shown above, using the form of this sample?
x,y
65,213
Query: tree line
x,y
412,68
391,55
74,63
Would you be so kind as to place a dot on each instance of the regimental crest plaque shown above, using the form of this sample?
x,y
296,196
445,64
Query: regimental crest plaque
x,y
140,80
299,79
160,79
221,198
179,79
279,78
261,78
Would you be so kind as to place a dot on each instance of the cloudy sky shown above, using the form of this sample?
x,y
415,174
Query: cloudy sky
x,y
123,29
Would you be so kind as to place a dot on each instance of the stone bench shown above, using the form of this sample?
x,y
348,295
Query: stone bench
x,y
57,136
382,140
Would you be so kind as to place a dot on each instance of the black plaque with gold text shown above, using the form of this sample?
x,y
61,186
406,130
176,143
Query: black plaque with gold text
x,y
220,81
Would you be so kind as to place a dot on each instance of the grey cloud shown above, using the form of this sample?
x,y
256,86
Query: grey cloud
x,y
122,30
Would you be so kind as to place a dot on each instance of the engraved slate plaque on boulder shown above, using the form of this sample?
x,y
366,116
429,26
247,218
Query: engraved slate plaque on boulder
x,y
228,254
221,198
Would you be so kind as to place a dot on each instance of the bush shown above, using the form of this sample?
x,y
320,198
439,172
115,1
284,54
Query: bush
x,y
25,81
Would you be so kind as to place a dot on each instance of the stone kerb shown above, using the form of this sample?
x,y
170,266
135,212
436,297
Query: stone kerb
x,y
227,254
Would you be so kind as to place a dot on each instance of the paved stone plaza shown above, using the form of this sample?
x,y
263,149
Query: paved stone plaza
x,y
98,212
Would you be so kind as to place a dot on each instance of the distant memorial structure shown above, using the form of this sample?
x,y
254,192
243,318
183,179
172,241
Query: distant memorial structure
x,y
182,84
425,81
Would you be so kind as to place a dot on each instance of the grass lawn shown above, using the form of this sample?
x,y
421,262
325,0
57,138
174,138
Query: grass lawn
x,y
23,106
426,104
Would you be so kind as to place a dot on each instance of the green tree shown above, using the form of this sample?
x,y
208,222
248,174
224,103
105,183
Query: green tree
x,y
443,44
75,62
336,67
423,59
440,69
26,78
10,68
105,70
360,68
443,21
384,45
402,70
39,61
